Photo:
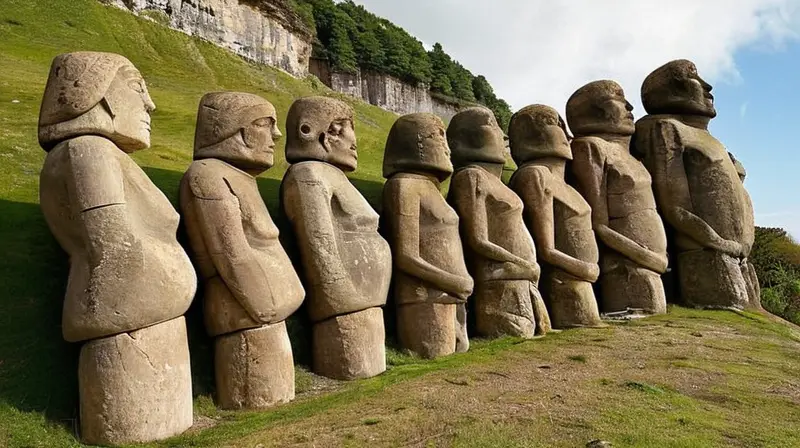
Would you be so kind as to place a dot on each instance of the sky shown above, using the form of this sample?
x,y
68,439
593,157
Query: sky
x,y
541,51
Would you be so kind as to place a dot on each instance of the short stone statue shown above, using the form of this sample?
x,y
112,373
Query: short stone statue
x,y
500,251
347,264
431,281
130,282
697,188
618,188
250,284
558,218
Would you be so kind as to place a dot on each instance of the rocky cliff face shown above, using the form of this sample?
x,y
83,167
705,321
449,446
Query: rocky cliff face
x,y
261,34
384,91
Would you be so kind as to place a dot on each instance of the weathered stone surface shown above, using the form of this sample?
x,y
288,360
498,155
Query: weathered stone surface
x,y
254,368
267,35
618,189
697,186
558,218
127,270
347,264
249,279
350,346
423,231
500,251
137,386
384,91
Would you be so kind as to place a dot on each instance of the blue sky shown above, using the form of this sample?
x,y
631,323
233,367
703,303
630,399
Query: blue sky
x,y
540,51
759,121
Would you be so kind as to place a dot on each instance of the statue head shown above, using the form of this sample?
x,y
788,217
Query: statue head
x,y
474,136
92,93
600,107
239,128
538,131
321,128
676,88
417,143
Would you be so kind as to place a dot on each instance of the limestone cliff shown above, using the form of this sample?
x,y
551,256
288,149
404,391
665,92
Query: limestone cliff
x,y
265,32
384,91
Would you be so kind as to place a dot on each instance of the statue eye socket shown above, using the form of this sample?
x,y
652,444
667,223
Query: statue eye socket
x,y
136,85
266,122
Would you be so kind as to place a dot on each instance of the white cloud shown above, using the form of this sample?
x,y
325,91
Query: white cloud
x,y
743,110
540,51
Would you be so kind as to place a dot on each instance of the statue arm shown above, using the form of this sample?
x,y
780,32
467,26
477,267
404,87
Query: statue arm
x,y
471,201
97,194
313,224
672,189
589,168
539,208
407,255
220,223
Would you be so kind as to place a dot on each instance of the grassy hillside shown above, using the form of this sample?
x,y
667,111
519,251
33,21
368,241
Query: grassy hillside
x,y
688,379
38,370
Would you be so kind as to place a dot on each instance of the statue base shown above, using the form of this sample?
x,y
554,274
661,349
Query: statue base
x,y
350,346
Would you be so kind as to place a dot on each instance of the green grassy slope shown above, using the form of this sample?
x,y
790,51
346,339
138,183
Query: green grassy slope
x,y
37,369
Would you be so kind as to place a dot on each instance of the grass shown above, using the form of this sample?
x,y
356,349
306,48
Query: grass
x,y
651,382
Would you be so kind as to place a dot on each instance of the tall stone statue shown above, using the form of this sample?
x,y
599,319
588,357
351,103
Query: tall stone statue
x,y
431,281
130,282
697,188
250,284
618,188
558,217
347,264
748,270
500,251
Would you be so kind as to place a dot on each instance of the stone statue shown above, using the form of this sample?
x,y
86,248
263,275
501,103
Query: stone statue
x,y
347,264
618,188
558,218
697,188
250,284
130,282
501,253
748,270
431,281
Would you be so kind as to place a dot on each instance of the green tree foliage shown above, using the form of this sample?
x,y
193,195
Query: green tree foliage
x,y
351,37
776,258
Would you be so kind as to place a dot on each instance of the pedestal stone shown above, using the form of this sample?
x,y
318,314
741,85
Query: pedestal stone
x,y
350,346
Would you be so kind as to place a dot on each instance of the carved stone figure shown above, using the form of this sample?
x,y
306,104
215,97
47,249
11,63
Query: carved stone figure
x,y
618,188
697,187
431,281
347,264
500,251
558,218
748,270
130,282
250,284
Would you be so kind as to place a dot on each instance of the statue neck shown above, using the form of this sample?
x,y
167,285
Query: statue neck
x,y
495,169
556,165
695,121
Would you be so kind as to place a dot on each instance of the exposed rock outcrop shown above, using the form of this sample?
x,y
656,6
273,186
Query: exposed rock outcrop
x,y
266,33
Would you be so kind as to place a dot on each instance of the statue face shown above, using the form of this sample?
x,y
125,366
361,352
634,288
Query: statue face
x,y
619,112
340,142
130,106
259,137
697,94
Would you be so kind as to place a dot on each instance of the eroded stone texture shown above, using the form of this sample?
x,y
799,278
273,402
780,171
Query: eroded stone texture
x,y
431,281
358,338
127,270
748,270
558,218
347,264
254,368
136,386
618,188
129,281
500,251
697,187
249,279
